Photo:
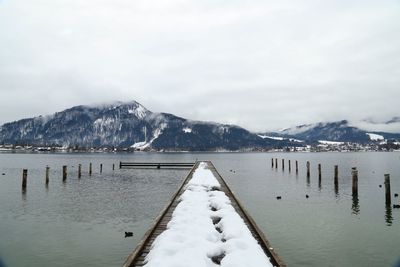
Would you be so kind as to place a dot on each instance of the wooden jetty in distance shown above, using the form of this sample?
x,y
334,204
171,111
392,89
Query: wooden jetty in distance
x,y
138,256
156,165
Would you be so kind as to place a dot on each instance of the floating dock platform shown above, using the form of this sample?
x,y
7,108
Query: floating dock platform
x,y
140,256
156,165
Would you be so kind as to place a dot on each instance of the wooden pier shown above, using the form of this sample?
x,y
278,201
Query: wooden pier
x,y
138,256
156,165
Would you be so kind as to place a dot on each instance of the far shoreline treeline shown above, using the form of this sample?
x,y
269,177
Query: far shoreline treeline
x,y
317,147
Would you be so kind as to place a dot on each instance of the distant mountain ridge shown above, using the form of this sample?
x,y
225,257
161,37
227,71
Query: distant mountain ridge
x,y
131,125
340,131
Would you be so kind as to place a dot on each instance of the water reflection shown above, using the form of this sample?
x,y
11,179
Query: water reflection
x,y
319,183
355,207
2,264
24,195
388,215
24,201
337,189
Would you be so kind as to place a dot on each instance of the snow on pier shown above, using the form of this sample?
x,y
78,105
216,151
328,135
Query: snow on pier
x,y
204,226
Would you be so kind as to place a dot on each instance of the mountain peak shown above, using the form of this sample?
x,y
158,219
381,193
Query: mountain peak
x,y
127,125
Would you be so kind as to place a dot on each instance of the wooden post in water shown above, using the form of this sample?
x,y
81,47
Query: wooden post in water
x,y
290,166
79,170
354,174
64,173
276,163
319,175
101,168
90,169
113,166
283,164
47,175
319,171
24,179
272,162
297,167
387,190
336,178
308,169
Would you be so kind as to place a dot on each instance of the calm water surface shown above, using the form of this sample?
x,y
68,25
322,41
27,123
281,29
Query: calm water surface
x,y
81,222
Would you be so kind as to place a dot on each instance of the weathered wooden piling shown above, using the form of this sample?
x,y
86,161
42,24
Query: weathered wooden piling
x,y
113,166
283,164
355,207
319,176
64,173
387,190
101,168
90,168
276,163
354,174
47,174
336,177
24,179
290,166
319,171
388,215
79,170
297,166
308,169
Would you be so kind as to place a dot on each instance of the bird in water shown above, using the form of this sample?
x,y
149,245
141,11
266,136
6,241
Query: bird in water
x,y
128,234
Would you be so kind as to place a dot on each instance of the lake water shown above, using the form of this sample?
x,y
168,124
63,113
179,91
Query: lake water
x,y
81,222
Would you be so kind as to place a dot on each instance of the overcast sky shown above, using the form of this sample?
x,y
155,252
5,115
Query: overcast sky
x,y
259,64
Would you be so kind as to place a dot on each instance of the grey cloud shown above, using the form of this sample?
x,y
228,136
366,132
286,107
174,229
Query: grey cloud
x,y
260,64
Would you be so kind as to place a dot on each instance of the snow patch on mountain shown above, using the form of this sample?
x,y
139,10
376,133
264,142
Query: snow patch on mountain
x,y
375,137
159,131
141,145
280,138
187,130
144,144
104,122
271,137
139,111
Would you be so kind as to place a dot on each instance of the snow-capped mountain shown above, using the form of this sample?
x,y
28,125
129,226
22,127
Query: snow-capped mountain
x,y
128,125
340,131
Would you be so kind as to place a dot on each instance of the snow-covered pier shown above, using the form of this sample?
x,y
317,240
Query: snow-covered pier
x,y
204,225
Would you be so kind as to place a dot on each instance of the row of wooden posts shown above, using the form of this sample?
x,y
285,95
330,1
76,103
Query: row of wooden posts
x,y
64,174
354,173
